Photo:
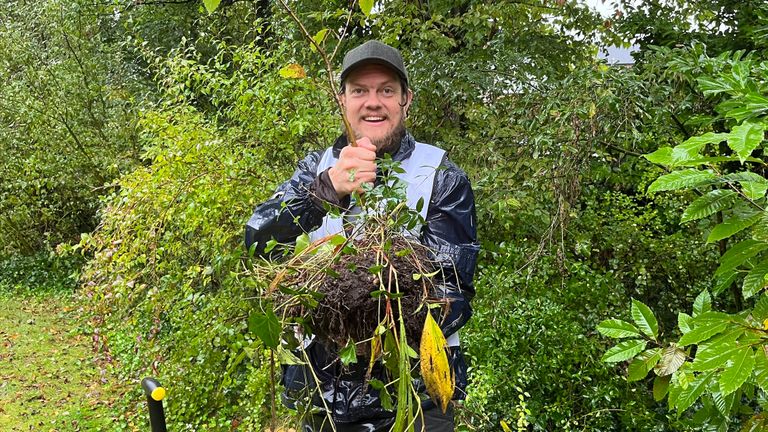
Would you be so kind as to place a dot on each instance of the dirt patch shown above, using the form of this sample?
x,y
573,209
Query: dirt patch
x,y
362,287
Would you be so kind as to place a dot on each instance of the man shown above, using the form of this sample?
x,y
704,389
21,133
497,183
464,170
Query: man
x,y
375,96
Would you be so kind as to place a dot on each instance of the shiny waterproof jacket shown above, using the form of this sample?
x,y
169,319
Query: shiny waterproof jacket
x,y
449,232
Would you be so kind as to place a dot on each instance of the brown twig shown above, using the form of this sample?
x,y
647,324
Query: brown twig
x,y
328,69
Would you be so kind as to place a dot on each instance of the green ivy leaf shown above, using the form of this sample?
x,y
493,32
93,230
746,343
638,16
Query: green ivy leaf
x,y
709,204
211,5
302,242
672,358
643,364
745,138
689,395
732,226
624,351
755,280
684,179
643,317
703,303
616,328
348,355
739,253
266,327
739,368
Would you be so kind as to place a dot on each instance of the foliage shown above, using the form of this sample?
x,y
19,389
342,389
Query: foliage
x,y
67,126
44,272
166,270
716,365
180,121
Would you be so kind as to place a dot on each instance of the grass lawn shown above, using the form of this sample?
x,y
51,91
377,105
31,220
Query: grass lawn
x,y
49,378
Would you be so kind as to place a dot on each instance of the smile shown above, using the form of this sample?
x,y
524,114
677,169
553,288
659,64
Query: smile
x,y
373,119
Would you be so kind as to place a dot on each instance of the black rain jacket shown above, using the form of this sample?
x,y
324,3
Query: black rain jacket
x,y
449,232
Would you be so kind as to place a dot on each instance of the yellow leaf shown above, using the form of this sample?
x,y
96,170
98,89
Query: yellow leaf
x,y
293,70
505,426
435,370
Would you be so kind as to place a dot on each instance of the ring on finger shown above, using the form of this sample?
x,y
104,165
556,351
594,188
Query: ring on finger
x,y
351,173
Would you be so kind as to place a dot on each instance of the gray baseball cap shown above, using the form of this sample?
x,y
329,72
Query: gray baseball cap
x,y
377,53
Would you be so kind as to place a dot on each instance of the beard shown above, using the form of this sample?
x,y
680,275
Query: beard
x,y
391,142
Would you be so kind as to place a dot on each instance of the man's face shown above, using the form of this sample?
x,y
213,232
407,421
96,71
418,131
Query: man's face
x,y
375,104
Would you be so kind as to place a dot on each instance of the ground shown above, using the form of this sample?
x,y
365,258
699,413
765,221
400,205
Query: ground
x,y
49,377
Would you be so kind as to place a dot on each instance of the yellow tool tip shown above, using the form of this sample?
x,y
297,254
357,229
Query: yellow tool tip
x,y
158,394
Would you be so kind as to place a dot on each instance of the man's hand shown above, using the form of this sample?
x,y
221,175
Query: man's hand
x,y
356,165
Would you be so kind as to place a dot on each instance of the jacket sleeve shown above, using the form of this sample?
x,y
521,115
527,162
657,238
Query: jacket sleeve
x,y
291,211
450,233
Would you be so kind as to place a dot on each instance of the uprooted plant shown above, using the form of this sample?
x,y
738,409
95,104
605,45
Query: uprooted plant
x,y
365,294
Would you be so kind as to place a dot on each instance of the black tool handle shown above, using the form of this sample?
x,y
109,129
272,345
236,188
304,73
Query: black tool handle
x,y
155,394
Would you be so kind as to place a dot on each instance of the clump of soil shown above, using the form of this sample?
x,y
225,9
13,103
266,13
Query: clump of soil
x,y
348,309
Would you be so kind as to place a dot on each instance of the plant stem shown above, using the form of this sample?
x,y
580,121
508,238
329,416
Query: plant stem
x,y
328,69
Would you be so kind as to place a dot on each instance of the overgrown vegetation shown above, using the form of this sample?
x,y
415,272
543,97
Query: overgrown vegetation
x,y
153,129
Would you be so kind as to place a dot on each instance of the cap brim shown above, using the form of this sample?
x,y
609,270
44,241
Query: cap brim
x,y
372,60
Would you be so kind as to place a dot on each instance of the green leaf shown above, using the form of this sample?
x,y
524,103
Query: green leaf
x,y
660,387
760,311
713,356
386,398
723,281
745,138
366,6
702,332
755,280
662,156
302,242
709,204
211,5
761,369
643,364
348,355
754,190
723,403
744,176
643,317
689,395
732,226
684,322
681,180
672,358
624,351
739,253
760,230
739,368
616,328
711,86
319,37
266,327
703,303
